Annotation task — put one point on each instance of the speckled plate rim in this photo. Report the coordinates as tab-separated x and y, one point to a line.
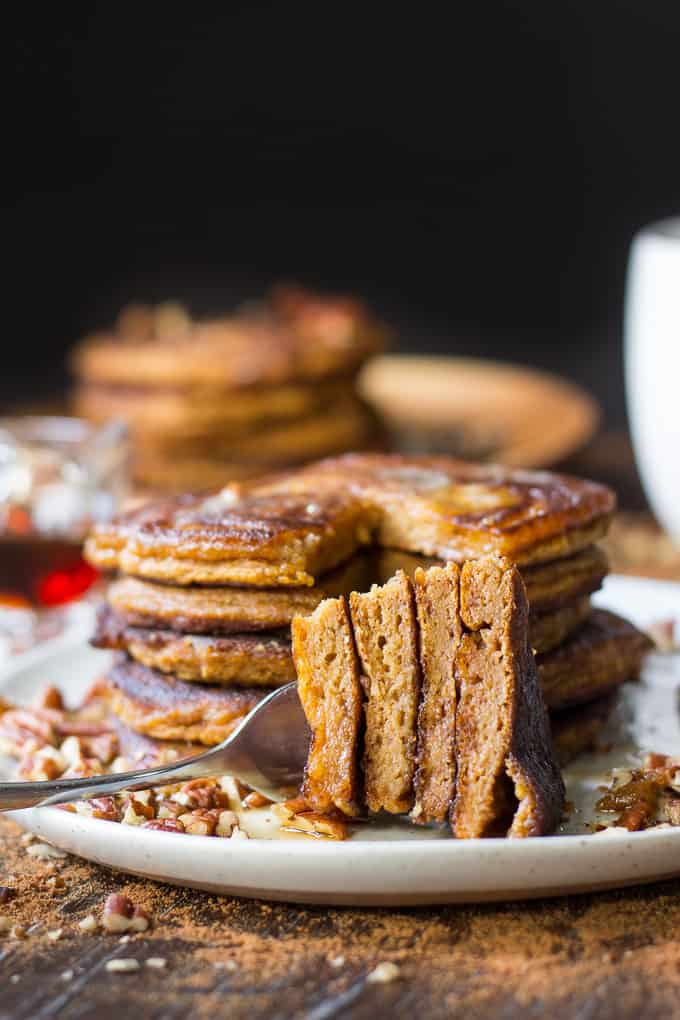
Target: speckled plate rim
402	866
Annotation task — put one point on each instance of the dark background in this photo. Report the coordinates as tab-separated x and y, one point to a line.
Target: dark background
476	173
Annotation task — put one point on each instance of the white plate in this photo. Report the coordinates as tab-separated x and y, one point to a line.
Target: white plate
396	863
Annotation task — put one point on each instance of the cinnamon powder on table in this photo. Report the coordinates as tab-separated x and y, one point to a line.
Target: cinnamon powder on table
615	954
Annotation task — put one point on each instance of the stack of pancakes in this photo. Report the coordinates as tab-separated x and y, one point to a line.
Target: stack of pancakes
211	401
207	587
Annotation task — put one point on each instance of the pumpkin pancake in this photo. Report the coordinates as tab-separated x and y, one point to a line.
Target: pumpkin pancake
340	426
262	659
331	695
176	417
437	592
603	653
549	630
164	708
226	610
455	510
274	540
289	530
191	650
471	741
385	630
507	778
295	336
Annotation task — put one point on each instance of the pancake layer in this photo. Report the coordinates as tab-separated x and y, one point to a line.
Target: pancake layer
296	335
240	659
166	708
603	653
229	656
288	531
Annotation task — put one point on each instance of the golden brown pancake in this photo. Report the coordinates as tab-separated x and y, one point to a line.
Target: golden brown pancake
216	651
300	336
262	659
507	778
287	531
340	426
549	630
165	708
177	418
226	610
603	653
331	695
549	586
263	541
452	509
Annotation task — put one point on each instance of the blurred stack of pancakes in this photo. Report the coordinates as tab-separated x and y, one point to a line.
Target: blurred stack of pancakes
210	401
206	588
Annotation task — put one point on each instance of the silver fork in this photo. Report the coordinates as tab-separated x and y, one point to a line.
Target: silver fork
267	751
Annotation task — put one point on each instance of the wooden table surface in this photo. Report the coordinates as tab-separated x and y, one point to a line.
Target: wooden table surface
610	955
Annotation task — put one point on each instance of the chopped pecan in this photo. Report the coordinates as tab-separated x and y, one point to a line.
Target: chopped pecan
201	793
103	747
50	697
201	822
309	822
105	808
136	811
118	913
164	825
168	809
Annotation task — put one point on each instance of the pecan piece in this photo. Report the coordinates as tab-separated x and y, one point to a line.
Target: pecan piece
201	822
164	825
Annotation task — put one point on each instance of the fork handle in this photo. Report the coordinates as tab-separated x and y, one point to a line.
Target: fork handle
14	796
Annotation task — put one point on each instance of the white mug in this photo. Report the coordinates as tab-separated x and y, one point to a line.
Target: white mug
652	363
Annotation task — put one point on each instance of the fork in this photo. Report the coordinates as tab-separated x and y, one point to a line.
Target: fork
267	751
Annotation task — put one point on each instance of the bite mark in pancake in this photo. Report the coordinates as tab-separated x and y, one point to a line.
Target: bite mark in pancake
507	779
455	510
331	695
290	529
269	540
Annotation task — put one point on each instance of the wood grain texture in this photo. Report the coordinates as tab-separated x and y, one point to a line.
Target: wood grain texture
613	955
